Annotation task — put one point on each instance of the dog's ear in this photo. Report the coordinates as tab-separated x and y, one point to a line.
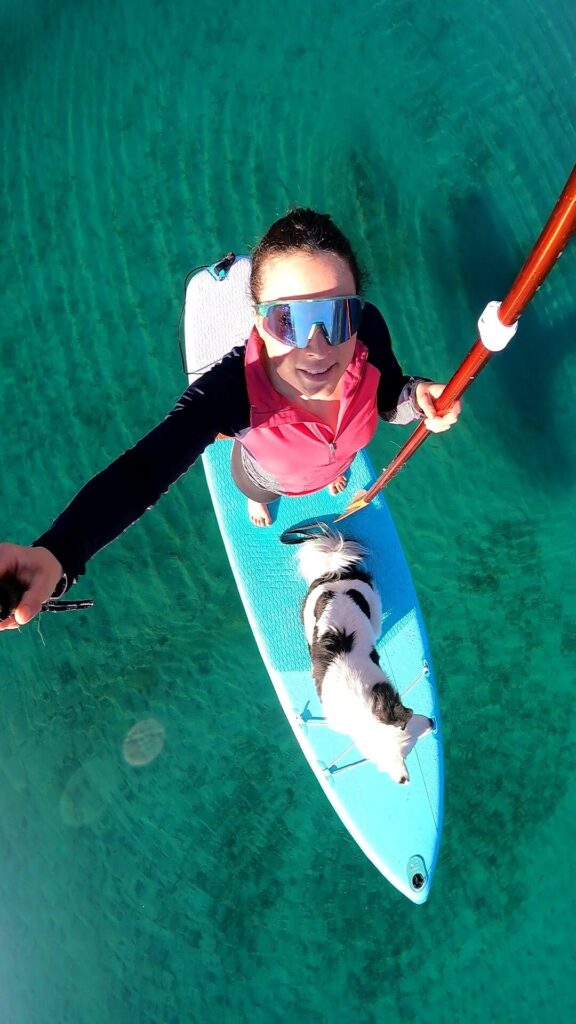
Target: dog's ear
402	715
387	706
384	698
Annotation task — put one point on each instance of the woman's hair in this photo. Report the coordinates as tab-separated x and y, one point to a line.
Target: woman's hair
301	230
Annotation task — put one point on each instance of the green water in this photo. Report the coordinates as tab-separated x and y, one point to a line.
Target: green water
215	884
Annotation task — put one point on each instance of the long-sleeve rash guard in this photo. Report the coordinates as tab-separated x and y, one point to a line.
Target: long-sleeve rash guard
216	403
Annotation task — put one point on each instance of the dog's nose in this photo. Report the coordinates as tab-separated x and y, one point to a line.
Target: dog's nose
403	780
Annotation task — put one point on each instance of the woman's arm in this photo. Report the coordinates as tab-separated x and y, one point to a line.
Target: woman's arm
116	497
401	399
396	392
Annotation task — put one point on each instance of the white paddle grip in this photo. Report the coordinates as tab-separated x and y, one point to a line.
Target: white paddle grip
495	335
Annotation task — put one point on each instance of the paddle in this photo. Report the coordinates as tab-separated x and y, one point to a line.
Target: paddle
497	326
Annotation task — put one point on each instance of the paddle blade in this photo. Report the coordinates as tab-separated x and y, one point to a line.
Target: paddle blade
360	501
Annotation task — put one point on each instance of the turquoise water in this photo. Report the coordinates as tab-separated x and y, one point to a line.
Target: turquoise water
214	883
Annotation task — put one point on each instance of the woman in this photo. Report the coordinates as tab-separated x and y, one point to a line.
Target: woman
301	398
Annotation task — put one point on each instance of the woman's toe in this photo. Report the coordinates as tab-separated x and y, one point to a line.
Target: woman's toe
258	513
338	485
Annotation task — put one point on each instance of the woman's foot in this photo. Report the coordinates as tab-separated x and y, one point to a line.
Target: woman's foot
338	485
258	513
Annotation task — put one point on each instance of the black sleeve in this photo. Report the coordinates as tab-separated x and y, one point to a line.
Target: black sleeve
375	335
116	497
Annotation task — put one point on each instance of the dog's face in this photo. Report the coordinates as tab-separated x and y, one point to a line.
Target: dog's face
388	708
392	746
398	771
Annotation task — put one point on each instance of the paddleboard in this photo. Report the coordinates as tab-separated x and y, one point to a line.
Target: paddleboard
398	827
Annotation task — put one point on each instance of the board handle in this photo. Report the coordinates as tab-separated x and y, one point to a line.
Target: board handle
304	531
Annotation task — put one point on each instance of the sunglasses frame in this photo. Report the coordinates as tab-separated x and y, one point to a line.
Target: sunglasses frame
262	309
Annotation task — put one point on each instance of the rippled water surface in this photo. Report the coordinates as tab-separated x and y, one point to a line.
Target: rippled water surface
166	856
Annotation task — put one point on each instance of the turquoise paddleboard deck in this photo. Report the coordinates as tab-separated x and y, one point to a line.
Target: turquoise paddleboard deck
398	827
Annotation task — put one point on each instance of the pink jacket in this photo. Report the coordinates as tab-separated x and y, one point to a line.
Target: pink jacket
301	452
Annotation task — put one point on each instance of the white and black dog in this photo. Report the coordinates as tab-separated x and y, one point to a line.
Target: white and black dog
342	615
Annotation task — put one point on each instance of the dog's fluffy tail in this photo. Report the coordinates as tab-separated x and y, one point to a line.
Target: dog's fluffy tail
328	555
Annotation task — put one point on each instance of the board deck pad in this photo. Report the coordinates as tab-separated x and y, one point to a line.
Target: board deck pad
398	827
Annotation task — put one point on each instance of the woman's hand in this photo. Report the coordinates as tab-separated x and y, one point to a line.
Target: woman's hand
425	395
39	572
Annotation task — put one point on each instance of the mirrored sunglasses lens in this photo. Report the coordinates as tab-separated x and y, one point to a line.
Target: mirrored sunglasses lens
332	316
278	323
345	320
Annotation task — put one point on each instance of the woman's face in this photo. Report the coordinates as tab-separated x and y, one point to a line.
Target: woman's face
314	371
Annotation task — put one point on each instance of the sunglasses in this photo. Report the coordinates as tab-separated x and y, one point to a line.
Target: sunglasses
293	322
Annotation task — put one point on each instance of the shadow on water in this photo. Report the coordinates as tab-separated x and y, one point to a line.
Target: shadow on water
502	768
500	789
